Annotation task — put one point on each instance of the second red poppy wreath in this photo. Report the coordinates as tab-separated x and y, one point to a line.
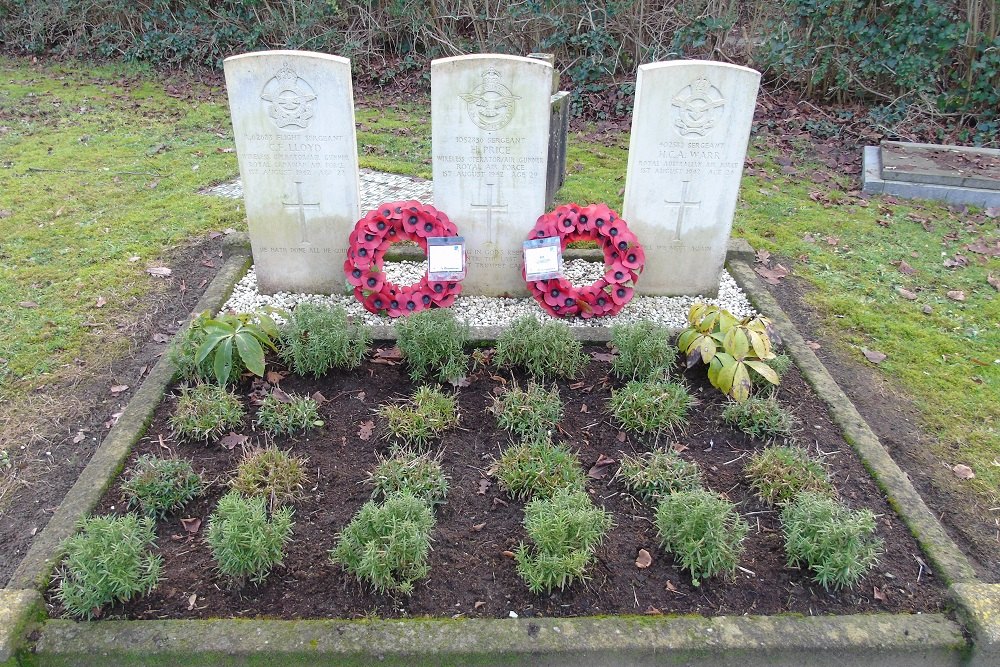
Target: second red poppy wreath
372	236
623	257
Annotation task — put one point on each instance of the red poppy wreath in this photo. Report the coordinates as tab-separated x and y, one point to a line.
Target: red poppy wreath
623	257
372	236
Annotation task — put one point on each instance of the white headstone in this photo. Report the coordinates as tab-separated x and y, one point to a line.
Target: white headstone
490	137
293	121
690	127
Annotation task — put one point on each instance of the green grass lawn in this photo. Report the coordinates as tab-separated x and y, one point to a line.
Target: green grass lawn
99	166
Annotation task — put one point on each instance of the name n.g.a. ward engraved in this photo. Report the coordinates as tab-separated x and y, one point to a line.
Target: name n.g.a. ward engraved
290	100
491	104
698	108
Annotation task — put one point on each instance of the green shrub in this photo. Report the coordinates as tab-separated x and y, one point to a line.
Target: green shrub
272	474
543	350
777	474
160	486
659	473
644	351
760	417
220	349
206	412
565	529
424	418
246	543
387	544
530	413
285	414
781	364
651	407
730	347
703	531
107	560
432	342
837	544
318	338
538	468
419	475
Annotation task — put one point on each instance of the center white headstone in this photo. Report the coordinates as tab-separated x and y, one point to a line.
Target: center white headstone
293	121
490	137
690	127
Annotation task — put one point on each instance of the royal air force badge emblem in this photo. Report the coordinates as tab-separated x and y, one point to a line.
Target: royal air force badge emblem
698	108
490	104
290	100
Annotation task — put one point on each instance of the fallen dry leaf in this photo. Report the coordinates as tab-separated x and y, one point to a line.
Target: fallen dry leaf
360	396
28	304
906	294
963	471
118	388
873	356
763	257
905	268
993	212
507	554
113	419
191	601
319	398
484	484
233	440
460	382
652	611
603	356
993	280
479	604
670	586
281	396
621	436
956	262
771	276
161	338
101	302
79	437
478	527
191	524
274	377
365	429
390	353
956	295
584	408
643	560
813	345
600	469
879	595
160	271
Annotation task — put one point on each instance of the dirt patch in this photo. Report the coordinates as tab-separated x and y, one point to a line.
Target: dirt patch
468	565
70	418
896	421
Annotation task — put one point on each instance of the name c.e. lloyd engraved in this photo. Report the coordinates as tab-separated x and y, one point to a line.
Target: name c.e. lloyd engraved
491	104
290	100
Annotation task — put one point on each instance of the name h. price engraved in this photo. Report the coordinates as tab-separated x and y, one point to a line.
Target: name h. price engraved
301	207
682	205
489	207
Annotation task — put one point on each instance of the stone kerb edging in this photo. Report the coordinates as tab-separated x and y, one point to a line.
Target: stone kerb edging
882	639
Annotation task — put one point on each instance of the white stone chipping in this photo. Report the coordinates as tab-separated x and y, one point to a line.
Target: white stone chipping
669	311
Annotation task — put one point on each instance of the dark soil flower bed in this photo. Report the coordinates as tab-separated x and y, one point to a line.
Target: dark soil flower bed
472	573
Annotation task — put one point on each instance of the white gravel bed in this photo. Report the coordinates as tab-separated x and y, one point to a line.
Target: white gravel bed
670	311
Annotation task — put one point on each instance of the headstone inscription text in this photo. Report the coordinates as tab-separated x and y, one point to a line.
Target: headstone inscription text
684	170
293	122
490	134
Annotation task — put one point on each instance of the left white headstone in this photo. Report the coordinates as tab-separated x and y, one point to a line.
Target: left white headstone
293	121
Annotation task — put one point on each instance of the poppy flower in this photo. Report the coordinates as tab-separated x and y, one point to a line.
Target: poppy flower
373	281
355	274
378	224
618	273
621	294
447	301
376	302
545	230
633	258
411	221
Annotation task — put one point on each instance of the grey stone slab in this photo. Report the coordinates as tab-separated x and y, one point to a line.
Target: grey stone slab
887	640
19	608
959	166
979	609
875	184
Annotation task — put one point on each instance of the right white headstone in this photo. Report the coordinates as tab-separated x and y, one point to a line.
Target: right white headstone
490	136
690	127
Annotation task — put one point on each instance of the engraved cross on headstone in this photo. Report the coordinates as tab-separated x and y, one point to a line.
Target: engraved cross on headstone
489	207
301	207
681	206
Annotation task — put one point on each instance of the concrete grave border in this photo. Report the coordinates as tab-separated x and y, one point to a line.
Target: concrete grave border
973	638
874	183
